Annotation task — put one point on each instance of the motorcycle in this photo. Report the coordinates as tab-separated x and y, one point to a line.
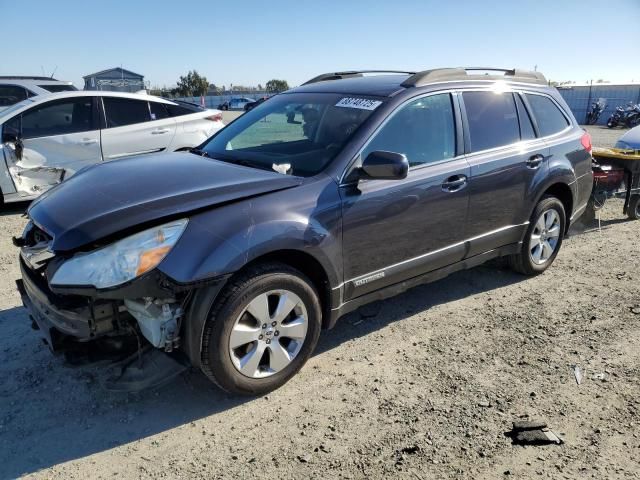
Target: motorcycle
628	117
596	109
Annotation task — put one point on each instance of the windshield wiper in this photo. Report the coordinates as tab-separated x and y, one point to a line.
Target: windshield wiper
245	163
199	151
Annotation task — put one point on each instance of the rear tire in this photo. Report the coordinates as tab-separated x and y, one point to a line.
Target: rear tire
543	238
634	208
239	363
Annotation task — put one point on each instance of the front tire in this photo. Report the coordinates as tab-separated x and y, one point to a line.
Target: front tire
543	239
262	330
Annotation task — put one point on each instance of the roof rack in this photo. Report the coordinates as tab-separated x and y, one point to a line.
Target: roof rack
24	77
350	74
445	74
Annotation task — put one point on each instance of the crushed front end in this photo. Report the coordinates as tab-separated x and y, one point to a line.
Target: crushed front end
140	315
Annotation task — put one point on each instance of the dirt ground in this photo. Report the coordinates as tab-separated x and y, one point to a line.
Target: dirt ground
420	386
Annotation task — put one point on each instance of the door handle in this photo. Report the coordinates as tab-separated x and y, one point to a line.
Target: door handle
159	131
534	161
454	183
88	141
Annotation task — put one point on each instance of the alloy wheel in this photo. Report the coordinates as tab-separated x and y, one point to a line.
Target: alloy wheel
268	334
544	237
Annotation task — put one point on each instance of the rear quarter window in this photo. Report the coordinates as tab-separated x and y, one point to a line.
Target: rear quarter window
548	116
58	88
179	110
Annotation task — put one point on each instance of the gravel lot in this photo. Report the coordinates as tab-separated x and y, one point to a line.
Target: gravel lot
420	386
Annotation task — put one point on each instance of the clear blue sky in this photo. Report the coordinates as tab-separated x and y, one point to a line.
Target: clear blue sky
249	43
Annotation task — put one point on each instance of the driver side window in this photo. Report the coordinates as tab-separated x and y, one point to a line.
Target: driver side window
423	130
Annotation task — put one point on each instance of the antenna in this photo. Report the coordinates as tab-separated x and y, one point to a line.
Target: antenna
54	71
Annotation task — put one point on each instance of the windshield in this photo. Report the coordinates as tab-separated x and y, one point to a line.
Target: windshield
297	133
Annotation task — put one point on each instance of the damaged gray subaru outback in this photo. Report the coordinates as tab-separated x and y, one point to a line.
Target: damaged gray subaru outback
349	189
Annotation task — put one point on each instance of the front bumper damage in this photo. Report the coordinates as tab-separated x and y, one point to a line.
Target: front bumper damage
148	339
67	320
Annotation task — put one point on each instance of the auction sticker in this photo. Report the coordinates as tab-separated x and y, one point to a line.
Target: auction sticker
361	103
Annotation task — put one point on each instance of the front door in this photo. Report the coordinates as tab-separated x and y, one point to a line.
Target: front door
58	138
398	229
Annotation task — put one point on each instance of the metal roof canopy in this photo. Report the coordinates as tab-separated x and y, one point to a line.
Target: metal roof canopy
123	70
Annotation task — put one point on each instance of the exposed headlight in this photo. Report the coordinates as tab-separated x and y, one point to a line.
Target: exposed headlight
121	261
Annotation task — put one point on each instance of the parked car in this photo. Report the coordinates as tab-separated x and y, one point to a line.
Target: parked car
630	140
18	88
48	138
235	103
254	104
235	256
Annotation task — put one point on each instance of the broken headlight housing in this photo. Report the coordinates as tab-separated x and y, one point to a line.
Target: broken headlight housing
121	261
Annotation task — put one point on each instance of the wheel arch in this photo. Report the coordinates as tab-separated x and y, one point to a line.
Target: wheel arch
562	191
204	298
309	266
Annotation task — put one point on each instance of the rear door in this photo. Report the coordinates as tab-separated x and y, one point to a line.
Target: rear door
507	160
397	229
132	128
58	137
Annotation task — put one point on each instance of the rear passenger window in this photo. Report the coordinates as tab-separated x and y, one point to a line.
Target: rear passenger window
423	130
124	111
158	111
548	116
526	127
492	118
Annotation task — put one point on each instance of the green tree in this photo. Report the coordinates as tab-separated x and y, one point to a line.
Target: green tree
192	84
276	86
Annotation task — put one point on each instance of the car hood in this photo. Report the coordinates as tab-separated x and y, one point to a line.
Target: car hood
631	138
112	197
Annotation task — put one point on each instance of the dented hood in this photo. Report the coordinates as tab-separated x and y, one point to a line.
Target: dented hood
111	197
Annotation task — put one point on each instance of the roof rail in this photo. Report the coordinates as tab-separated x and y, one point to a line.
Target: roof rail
24	77
444	74
349	74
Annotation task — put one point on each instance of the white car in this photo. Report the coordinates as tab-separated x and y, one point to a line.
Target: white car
16	89
48	138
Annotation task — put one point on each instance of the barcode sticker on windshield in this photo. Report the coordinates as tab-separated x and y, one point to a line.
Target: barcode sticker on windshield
361	103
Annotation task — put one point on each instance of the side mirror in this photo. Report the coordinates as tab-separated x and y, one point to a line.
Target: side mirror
385	166
11	137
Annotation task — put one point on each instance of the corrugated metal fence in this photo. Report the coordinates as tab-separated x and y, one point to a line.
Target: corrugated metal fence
581	97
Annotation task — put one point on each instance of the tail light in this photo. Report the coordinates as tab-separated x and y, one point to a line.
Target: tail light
585	140
215	118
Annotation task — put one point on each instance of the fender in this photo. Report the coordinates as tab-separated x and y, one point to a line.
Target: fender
223	240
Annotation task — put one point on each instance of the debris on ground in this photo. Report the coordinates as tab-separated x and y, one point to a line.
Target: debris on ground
577	372
533	433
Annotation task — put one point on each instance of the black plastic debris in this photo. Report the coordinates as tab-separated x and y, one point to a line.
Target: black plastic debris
532	433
